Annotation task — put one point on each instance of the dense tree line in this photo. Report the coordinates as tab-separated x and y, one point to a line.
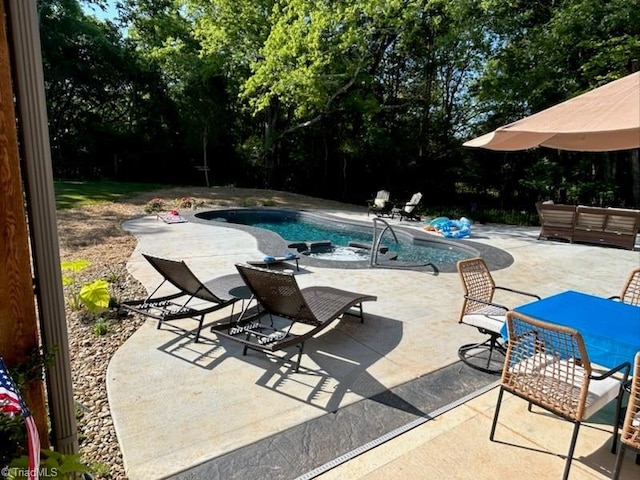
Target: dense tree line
334	98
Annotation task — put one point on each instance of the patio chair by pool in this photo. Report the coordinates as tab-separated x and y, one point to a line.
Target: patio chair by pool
279	296
547	365
480	311
381	205
630	436
408	211
193	299
631	290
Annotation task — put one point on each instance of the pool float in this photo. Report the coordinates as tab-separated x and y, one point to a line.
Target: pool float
456	228
436	224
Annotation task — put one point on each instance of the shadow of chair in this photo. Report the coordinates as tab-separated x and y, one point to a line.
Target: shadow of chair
193	298
548	366
381	205
287	306
630	436
480	311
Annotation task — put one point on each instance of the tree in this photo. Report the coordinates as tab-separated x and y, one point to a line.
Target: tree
103	102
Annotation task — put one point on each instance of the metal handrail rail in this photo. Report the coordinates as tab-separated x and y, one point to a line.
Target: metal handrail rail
375	246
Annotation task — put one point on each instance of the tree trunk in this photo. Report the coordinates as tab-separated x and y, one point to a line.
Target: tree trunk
635	177
205	164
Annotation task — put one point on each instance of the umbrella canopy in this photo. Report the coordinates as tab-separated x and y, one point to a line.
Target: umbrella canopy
601	120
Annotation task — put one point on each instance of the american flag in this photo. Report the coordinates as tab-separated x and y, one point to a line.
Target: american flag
12	404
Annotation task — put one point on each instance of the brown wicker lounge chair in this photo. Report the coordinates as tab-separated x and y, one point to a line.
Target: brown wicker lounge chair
180	305
548	366
278	295
630	436
480	311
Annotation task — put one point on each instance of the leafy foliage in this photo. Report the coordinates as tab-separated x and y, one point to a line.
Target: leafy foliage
333	98
57	465
94	296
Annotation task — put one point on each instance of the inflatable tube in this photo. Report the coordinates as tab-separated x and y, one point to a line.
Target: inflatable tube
456	228
436	223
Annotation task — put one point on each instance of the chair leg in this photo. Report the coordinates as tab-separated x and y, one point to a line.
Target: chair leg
572	448
495	415
618	464
199	328
617	419
490	344
300	349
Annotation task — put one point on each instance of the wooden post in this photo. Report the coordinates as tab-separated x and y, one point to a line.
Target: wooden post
18	322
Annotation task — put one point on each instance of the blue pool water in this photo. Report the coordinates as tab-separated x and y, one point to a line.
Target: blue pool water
297	227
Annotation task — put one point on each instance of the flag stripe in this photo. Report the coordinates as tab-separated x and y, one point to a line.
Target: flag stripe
11	404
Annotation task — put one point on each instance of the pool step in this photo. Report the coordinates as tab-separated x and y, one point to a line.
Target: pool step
367	246
311	245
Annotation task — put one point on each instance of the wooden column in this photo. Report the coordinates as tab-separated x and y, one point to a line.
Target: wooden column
18	322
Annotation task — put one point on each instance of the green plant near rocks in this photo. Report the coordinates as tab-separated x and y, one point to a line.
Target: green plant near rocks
99	469
94	296
101	327
53	465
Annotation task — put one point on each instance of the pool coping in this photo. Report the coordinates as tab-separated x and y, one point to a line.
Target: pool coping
269	242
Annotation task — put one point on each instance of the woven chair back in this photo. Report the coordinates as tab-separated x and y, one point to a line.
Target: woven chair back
180	276
631	291
477	282
548	365
631	427
278	293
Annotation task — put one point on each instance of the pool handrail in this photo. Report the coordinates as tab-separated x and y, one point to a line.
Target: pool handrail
373	256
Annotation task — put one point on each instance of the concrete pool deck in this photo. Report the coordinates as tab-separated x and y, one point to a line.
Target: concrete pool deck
178	405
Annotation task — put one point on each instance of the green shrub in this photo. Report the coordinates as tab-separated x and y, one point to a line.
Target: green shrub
101	327
93	296
155	205
56	465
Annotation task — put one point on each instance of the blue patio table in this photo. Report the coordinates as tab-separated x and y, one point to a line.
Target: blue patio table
610	329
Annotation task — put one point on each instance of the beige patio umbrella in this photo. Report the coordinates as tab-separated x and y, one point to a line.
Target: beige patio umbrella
601	120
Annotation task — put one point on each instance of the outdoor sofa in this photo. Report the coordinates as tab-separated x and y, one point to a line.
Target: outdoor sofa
603	226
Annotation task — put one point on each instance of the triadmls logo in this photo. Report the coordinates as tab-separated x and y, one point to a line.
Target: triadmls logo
15	472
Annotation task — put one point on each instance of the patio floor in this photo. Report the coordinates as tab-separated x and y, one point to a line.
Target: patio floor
217	414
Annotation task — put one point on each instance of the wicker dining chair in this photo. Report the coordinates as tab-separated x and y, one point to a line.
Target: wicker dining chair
630	436
630	292
480	311
548	366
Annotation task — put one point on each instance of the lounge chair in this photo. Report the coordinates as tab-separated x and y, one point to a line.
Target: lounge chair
408	211
480	311
381	205
278	295
180	304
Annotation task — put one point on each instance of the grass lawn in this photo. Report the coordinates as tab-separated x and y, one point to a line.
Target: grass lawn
77	194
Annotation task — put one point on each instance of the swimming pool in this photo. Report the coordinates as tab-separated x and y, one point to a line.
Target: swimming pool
300	228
